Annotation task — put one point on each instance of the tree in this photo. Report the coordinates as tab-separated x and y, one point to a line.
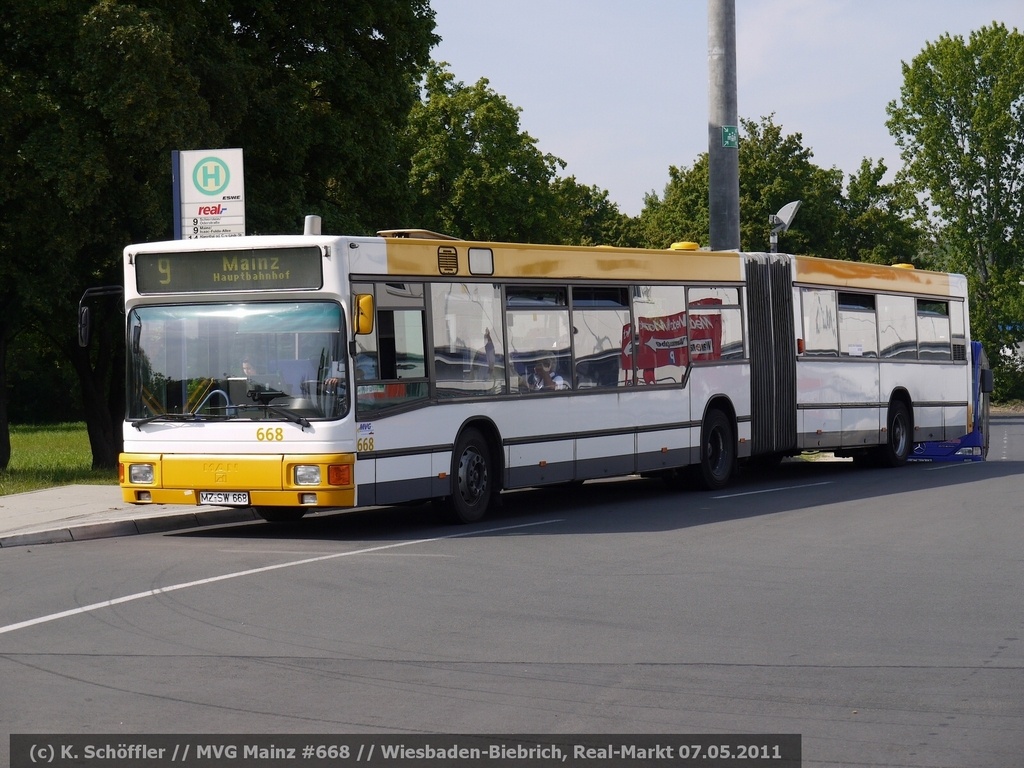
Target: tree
959	123
774	169
94	96
474	173
683	214
869	223
880	219
333	83
585	216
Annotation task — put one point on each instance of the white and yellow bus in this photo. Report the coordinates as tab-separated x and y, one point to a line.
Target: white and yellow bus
412	366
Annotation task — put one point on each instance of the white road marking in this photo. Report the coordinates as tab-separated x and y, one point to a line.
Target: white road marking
771	490
939	466
249	572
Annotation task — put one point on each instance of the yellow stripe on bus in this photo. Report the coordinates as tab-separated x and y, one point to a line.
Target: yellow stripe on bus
420	258
870	276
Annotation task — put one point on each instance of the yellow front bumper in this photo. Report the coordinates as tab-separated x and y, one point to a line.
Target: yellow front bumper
269	480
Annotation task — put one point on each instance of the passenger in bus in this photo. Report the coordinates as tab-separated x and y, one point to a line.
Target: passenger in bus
248	369
546	376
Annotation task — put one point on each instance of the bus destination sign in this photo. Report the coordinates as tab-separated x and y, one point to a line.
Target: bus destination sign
229	270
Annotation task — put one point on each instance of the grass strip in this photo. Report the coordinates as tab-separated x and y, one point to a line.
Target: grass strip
50	455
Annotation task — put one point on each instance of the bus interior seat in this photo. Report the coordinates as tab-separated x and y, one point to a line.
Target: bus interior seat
294	373
237	387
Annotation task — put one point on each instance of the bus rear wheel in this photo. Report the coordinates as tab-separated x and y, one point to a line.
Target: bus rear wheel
898	436
281	514
472	478
717	451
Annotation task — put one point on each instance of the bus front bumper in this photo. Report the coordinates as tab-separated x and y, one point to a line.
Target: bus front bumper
279	480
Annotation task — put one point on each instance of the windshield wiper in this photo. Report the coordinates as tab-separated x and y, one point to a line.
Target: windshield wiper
276	410
264	398
190	416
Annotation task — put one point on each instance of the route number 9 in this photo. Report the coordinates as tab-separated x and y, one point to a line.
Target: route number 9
164	267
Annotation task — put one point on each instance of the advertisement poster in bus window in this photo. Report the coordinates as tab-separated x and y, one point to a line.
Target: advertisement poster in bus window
661	342
705	331
674	340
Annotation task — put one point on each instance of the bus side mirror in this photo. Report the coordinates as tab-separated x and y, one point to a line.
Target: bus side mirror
364	314
83	326
84	323
988	381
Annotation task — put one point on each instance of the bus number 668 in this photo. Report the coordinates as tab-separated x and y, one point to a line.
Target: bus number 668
270	435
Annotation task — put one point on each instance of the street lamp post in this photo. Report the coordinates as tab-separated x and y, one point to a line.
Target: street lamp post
780	222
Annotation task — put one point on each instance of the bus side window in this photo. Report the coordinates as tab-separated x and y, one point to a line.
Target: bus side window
539	338
390	363
660	338
598	319
599	348
858	332
897	330
933	330
821	328
400	345
468	336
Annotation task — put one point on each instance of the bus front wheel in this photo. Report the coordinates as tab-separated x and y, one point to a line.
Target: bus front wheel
472	478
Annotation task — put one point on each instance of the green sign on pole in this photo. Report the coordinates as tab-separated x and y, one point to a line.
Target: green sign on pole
730	136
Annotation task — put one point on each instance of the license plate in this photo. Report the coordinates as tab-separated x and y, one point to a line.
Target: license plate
229	498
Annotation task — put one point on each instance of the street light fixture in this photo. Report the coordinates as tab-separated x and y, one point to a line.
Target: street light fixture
780	222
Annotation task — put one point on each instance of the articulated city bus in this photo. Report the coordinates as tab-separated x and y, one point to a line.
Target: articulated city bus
297	373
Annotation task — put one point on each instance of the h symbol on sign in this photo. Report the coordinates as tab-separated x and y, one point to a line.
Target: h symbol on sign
211	175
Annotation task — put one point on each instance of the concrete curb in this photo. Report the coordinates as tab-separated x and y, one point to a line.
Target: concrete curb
128	527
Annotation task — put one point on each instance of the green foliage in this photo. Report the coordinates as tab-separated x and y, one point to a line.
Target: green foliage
43	383
775	169
94	96
585	216
48	456
331	90
1009	379
870	223
340	113
474	173
880	220
683	214
959	123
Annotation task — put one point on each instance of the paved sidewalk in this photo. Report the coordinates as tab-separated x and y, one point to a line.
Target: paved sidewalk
79	512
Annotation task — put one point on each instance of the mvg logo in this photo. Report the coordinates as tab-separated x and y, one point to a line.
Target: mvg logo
216	751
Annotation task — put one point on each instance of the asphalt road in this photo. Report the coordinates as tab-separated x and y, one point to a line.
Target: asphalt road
876	612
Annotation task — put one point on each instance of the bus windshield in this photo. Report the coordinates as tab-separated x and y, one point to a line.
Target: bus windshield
266	360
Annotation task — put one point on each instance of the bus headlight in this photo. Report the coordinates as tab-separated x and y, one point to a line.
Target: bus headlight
141	473
969	451
307	474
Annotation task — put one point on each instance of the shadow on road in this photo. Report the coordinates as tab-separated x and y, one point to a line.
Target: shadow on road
637	504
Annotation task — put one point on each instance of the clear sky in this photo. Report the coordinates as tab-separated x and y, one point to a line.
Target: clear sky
619	88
